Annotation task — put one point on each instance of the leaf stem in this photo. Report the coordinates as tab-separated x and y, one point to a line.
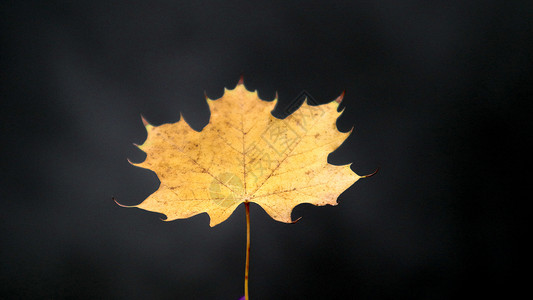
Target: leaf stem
247	206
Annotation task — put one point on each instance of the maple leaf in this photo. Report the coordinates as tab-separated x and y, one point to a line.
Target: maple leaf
245	154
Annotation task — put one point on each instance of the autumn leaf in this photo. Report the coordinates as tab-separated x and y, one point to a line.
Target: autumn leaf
245	154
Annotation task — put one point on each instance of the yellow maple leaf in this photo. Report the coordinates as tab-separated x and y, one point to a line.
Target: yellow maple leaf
245	154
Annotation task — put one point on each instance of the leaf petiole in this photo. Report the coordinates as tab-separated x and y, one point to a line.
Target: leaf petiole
247	206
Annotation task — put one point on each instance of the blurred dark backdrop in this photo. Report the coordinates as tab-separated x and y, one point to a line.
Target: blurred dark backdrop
435	91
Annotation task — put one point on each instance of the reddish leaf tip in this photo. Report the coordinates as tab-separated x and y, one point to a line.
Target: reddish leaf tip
296	221
122	205
371	174
145	122
339	99
118	203
132	163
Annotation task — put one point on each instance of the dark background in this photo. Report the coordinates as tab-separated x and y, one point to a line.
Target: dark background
435	90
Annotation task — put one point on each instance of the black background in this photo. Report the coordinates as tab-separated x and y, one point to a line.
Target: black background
435	90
